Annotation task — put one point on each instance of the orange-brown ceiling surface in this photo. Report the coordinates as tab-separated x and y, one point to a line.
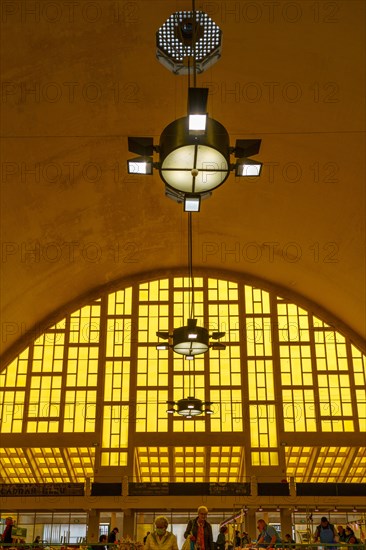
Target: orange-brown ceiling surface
79	77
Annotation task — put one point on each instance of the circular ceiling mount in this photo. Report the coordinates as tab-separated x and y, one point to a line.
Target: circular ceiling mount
185	35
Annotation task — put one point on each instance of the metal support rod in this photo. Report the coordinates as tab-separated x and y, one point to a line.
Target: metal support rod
190	265
194	43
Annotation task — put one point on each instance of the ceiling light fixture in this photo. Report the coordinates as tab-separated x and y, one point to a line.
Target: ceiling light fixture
189	407
191	339
186	35
194	151
194	161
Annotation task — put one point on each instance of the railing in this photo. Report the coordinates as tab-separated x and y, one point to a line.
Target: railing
123	545
133	545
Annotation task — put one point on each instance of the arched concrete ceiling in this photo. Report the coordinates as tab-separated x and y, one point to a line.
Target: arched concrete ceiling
291	73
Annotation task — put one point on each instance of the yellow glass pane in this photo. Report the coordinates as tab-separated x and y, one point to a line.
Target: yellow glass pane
256	459
248	299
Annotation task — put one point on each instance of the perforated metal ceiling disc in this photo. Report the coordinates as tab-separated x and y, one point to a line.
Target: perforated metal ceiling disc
185	36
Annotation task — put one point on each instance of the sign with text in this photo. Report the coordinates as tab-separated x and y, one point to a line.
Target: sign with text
41	489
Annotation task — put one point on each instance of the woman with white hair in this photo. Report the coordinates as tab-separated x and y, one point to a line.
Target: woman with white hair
200	531
161	538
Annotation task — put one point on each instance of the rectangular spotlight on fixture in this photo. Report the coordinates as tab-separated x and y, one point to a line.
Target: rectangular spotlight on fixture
197	123
163	334
140	165
217	346
141	146
192	203
197	110
247	147
248	167
217	335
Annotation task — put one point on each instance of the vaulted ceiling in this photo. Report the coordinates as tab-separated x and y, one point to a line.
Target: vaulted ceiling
78	78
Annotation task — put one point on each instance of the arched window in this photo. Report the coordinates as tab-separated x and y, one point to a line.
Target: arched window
90	392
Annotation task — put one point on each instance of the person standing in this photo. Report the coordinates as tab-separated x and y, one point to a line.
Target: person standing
112	537
268	536
161	538
341	533
37	541
289	540
325	533
7	537
221	538
351	538
200	531
102	540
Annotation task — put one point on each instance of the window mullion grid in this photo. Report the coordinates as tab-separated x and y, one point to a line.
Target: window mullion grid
64	374
28	388
315	374
244	380
277	388
103	329
133	385
206	355
353	387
